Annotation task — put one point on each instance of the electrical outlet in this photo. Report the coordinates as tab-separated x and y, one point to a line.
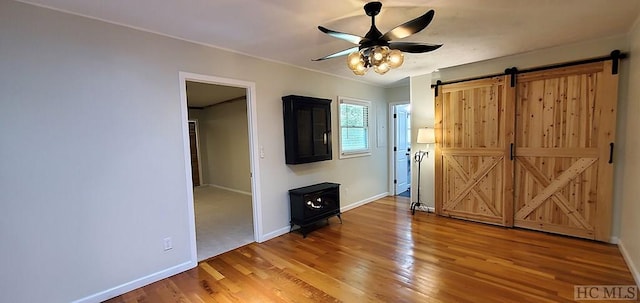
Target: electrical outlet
167	244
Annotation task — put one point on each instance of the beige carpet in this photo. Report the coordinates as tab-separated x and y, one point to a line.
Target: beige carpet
224	220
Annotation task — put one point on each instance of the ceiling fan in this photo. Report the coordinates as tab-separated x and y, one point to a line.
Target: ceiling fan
377	49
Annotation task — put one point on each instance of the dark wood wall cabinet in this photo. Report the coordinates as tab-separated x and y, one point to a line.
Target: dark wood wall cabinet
311	204
307	129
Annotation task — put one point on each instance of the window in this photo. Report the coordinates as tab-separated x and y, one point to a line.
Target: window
354	127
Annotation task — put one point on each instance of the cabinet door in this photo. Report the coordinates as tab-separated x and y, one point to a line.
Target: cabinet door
320	132
307	128
313	121
565	125
474	133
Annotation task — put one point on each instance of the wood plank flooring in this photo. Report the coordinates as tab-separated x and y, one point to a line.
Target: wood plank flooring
383	254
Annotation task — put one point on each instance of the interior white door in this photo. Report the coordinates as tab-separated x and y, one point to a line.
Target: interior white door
401	149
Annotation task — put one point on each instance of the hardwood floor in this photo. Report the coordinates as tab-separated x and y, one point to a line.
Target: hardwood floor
383	254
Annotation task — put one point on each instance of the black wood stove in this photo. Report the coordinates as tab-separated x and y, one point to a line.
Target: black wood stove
311	204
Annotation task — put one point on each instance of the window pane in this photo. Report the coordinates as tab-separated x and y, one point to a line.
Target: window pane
354	139
354	127
354	115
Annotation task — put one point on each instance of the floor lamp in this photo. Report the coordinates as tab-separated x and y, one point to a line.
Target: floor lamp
425	136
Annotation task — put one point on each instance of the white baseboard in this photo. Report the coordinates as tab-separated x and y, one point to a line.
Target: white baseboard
274	234
129	286
363	202
286	229
614	240
630	264
230	189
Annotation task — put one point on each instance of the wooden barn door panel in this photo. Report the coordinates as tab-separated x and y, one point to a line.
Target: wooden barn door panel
474	131
565	123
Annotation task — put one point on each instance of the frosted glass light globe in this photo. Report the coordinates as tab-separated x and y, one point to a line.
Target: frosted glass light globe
353	60
360	69
378	55
382	68
395	58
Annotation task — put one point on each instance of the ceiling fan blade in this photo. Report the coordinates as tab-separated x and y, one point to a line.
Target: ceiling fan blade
344	36
411	47
409	28
339	54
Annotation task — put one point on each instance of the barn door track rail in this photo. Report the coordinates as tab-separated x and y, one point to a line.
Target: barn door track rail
615	56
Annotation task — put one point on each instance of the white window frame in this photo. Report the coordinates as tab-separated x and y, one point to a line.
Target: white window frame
355	153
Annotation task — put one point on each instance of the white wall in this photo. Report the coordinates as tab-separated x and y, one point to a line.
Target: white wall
226	141
629	160
92	161
398	93
422	115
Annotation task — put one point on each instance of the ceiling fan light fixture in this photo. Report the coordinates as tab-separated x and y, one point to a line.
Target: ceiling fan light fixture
378	55
395	58
354	59
381	58
357	63
360	69
382	68
376	49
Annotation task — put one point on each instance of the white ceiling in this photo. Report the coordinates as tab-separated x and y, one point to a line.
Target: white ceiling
286	30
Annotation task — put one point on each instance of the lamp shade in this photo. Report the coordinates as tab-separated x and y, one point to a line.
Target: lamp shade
426	135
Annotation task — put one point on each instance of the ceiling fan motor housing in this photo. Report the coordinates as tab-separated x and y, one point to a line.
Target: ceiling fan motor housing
372	8
376	49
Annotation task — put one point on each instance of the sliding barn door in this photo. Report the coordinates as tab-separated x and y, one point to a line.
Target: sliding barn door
474	133
565	126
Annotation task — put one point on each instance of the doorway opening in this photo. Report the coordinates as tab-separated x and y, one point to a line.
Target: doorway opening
219	119
401	150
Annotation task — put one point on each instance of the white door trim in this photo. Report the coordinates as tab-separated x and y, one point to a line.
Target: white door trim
254	153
